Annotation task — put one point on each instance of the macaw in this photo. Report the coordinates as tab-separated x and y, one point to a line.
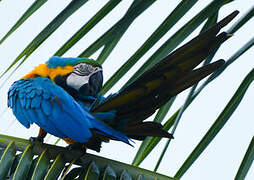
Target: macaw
62	95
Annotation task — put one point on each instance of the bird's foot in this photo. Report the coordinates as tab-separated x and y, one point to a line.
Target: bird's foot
36	139
77	146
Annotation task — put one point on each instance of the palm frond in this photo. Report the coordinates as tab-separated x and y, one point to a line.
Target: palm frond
49	162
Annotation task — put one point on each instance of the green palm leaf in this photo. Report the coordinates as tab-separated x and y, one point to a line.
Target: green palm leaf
18	159
165	26
142	154
32	9
87	27
47	31
113	35
247	161
218	124
179	36
91	166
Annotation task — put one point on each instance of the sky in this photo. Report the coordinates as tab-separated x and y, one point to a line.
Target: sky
222	157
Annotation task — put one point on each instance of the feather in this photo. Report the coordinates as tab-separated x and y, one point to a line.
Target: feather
120	116
23	101
147	129
46	107
169	69
55	111
103	129
28	103
36	101
156	86
20	115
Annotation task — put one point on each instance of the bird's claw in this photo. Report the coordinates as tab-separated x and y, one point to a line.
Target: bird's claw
76	146
36	139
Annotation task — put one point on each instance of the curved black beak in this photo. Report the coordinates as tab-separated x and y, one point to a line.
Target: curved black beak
94	85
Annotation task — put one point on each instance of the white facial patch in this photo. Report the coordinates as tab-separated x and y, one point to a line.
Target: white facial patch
81	75
75	81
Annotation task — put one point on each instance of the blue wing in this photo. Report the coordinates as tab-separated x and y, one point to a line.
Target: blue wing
40	101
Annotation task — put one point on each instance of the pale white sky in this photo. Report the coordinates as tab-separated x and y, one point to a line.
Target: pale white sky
222	157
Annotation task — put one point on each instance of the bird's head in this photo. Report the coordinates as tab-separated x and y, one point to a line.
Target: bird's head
78	76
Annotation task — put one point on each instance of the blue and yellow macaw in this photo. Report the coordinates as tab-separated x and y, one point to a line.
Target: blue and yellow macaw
62	95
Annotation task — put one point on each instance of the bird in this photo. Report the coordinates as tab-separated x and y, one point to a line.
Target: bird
63	97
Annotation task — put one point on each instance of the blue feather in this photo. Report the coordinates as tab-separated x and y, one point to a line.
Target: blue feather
32	115
14	98
20	115
43	123
11	91
105	116
28	103
23	101
22	94
9	103
63	119
56	61
39	91
55	111
26	90
46	107
35	103
24	113
46	95
31	94
106	130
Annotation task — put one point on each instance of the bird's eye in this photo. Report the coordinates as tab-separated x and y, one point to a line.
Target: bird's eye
82	67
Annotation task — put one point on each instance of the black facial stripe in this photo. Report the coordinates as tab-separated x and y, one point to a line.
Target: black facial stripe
61	81
84	69
80	73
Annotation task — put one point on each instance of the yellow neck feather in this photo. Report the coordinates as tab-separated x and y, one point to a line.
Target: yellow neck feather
43	71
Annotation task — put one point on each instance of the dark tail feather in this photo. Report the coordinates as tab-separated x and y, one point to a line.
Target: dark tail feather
156	86
201	43
167	90
195	76
171	68
141	130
